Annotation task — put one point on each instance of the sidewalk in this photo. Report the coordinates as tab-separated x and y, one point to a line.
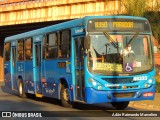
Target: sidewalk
148	104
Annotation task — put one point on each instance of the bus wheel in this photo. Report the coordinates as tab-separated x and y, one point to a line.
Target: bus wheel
21	90
120	105
64	94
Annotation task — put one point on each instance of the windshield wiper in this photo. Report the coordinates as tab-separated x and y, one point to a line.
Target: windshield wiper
134	36
111	40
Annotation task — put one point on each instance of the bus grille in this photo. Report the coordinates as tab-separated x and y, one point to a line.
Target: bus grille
127	87
124	95
119	80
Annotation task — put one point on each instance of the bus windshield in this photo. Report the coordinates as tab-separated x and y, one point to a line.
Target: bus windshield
119	53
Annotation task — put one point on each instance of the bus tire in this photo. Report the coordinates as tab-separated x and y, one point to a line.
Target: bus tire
65	97
21	90
120	105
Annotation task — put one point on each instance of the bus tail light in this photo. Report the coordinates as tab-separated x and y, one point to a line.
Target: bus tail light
43	80
148	94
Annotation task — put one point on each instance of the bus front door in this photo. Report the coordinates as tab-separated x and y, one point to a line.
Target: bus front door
13	69
37	69
79	67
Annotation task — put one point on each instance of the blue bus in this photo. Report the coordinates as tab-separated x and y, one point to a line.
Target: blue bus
95	59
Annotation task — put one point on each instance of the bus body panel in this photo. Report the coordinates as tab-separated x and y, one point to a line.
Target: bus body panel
94	96
29	82
52	75
20	70
7	75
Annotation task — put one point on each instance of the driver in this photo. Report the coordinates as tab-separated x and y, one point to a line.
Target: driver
128	50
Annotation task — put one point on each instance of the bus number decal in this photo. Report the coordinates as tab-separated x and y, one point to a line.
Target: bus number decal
20	68
140	78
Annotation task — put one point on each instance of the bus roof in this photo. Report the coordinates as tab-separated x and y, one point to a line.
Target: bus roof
64	25
72	23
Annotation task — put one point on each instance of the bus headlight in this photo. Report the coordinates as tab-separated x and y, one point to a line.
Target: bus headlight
95	84
148	83
99	87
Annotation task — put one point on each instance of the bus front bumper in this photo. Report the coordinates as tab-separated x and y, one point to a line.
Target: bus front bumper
94	96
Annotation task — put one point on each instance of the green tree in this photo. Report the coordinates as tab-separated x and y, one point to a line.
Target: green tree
135	7
145	8
153	15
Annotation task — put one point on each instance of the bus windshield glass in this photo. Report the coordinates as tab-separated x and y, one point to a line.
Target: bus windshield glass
119	53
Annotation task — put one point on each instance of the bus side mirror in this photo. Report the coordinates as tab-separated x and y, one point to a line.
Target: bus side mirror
87	43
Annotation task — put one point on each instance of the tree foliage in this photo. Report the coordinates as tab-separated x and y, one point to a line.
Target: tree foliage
154	19
145	8
135	7
153	15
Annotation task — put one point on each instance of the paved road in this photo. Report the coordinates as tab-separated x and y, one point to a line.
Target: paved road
11	102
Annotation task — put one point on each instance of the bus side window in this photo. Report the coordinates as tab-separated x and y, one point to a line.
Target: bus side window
50	47
20	50
28	49
64	44
7	48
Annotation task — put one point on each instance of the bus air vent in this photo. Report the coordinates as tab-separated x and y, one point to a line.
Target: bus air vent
127	87
119	80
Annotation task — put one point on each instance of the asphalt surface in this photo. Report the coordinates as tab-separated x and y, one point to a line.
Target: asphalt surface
48	107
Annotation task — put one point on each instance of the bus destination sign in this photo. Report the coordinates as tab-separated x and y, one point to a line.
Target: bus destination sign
123	24
98	25
114	24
